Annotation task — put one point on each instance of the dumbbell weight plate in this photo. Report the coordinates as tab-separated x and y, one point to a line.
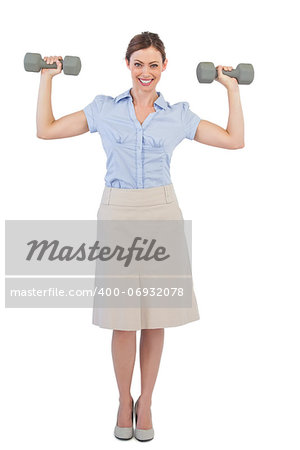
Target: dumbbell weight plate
246	73
71	65
206	72
32	62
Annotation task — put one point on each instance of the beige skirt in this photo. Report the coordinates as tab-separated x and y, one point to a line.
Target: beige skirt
134	293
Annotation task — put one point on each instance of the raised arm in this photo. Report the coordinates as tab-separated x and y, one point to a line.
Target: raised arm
47	126
233	137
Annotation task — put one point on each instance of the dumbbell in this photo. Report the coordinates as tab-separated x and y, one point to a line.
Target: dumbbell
207	73
33	62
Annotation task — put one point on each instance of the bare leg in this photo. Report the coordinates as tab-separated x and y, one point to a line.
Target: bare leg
151	346
123	348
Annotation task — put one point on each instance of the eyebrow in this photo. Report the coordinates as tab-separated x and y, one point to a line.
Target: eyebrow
142	61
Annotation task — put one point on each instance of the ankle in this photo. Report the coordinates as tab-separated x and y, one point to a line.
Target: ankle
145	400
126	400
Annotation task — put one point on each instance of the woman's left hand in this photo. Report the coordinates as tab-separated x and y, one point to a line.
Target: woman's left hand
228	82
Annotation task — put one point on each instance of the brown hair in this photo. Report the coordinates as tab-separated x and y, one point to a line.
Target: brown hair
145	40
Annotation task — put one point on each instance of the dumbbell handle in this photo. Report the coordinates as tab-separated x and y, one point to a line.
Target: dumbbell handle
231	73
44	65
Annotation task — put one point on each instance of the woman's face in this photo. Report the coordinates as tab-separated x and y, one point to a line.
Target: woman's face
146	64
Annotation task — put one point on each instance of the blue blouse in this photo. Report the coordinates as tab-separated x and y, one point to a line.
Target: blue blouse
139	155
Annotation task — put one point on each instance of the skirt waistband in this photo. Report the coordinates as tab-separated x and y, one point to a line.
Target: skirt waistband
157	195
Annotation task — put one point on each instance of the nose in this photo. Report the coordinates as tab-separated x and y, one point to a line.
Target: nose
146	73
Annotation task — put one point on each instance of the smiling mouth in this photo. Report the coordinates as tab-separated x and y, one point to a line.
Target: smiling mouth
145	82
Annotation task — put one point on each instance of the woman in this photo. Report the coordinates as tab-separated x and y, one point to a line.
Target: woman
139	131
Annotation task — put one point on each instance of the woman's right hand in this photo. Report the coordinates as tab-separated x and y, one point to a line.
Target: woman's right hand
51	60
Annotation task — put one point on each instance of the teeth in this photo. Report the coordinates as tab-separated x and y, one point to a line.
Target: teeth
145	81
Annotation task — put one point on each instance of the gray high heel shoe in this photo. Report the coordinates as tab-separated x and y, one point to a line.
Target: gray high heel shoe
139	433
124	433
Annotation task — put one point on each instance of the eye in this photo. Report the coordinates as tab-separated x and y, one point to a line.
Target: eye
152	65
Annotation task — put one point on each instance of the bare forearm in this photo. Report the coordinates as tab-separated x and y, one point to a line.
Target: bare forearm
44	115
235	125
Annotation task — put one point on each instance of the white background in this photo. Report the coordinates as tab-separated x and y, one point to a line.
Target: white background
230	380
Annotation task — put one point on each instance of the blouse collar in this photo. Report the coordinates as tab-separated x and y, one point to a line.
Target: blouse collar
160	101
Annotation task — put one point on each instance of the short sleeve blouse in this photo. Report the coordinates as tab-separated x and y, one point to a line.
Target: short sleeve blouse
139	155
